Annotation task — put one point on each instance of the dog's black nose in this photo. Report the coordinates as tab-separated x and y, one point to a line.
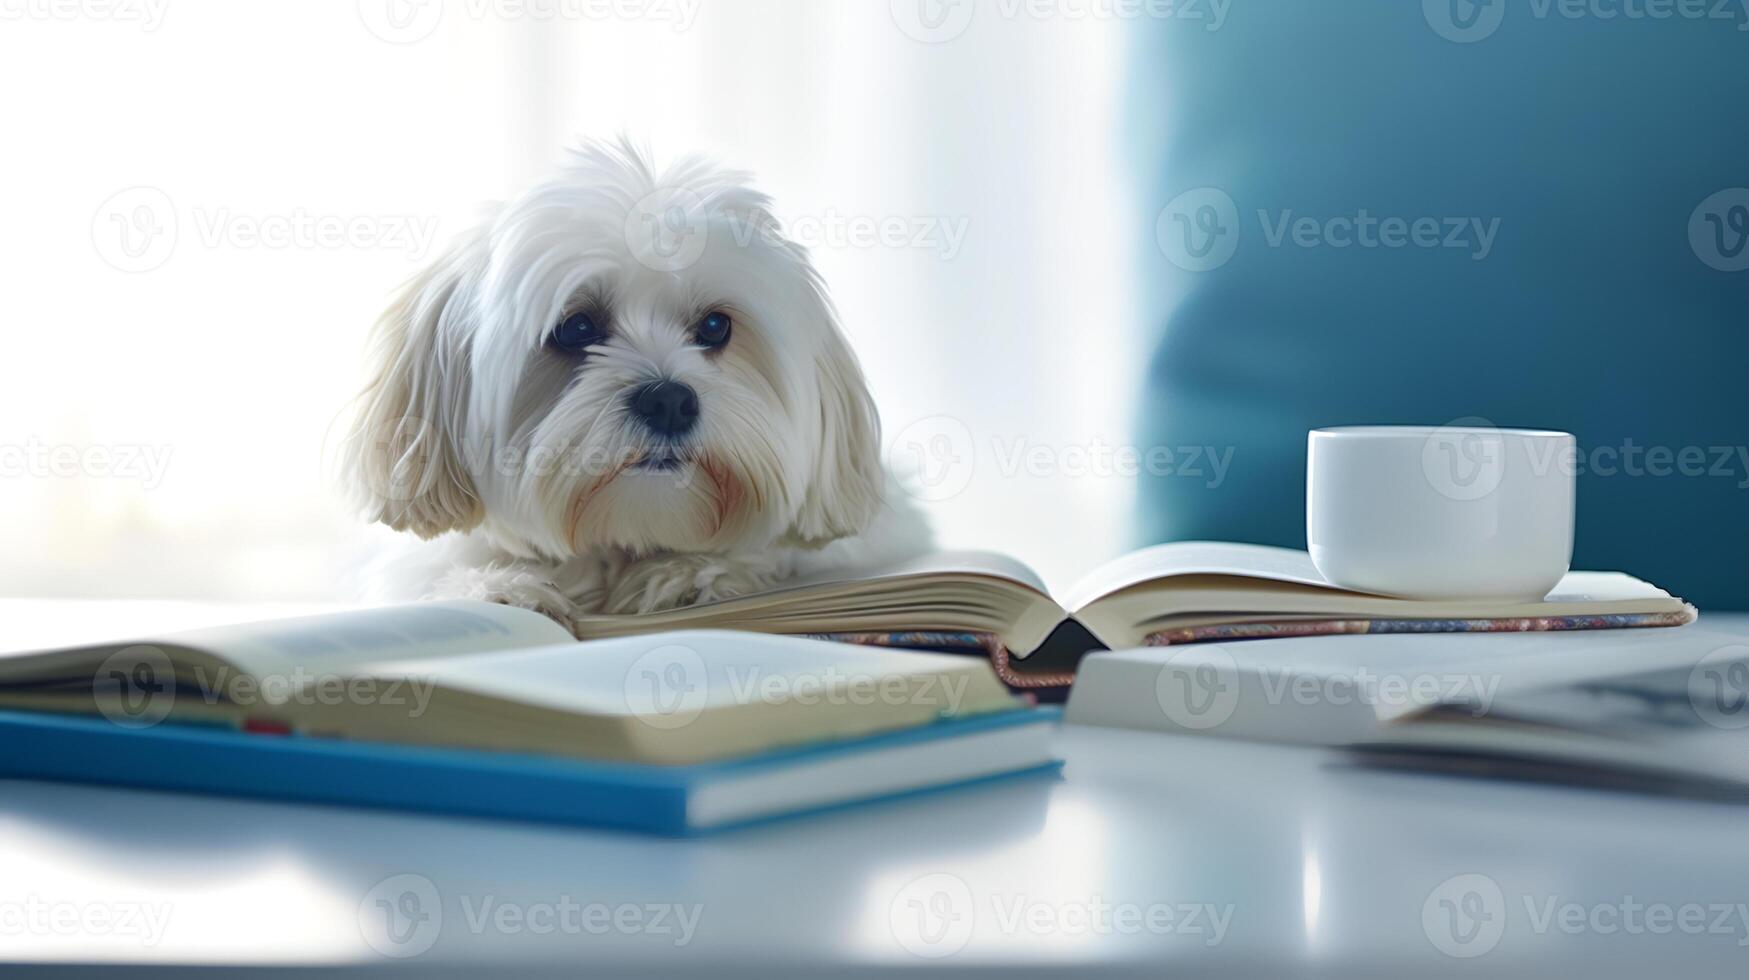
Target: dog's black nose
668	408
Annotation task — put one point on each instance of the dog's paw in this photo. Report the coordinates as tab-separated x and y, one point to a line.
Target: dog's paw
684	580
509	585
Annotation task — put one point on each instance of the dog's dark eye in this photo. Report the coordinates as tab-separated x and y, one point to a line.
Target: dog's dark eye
576	332
713	329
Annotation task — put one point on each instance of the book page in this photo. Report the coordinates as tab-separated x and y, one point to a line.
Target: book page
958	591
698	695
1256	561
1195	558
701	670
338	641
987	563
327	642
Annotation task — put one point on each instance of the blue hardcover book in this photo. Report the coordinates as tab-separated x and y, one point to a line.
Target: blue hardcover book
674	800
474	708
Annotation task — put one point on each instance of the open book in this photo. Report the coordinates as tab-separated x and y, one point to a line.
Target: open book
1666	711
471	707
1171	593
477	675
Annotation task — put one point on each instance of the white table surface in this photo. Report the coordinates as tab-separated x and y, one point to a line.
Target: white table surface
1153	855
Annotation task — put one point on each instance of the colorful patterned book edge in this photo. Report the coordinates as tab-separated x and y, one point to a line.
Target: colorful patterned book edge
1002	660
1332	627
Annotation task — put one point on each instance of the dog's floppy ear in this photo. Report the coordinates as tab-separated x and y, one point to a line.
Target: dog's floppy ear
844	491
401	459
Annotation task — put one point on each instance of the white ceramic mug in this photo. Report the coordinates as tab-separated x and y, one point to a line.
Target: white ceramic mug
1441	512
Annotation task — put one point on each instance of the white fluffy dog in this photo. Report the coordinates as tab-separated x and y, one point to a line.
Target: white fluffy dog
626	391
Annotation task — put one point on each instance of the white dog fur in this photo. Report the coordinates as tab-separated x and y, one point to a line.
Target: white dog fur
525	459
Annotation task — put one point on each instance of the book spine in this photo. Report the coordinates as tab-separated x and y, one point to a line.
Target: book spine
227	762
956	642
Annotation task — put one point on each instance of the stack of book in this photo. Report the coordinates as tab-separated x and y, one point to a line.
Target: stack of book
475	708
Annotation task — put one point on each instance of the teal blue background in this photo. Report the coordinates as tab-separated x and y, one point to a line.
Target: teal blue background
1592	141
